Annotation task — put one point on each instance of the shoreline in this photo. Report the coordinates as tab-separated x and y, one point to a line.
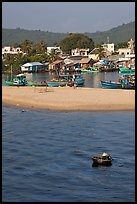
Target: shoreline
69	99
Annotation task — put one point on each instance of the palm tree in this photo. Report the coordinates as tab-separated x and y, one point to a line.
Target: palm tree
53	56
101	52
41	47
26	47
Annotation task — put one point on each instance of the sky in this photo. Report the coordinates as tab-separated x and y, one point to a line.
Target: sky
65	17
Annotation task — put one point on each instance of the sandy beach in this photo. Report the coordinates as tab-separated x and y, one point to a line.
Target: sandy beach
68	98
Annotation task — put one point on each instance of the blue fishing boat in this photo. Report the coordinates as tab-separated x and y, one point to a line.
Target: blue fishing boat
123	70
111	85
79	79
56	82
75	78
19	80
125	82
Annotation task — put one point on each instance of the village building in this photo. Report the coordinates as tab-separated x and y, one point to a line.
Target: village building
57	49
32	67
124	51
73	62
10	50
85	62
94	54
109	47
79	52
56	65
131	45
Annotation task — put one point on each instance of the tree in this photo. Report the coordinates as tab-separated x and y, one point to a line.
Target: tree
120	45
75	40
27	47
53	56
41	47
39	58
101	52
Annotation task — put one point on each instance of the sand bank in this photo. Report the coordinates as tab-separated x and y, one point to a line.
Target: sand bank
68	98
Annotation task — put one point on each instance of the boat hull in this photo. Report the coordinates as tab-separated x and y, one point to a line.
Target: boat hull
29	83
56	83
88	71
100	161
111	85
80	81
126	71
10	83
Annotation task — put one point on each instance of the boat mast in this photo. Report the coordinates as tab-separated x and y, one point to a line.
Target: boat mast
11	72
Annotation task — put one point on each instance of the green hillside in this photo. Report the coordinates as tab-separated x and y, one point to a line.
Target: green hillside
118	34
12	36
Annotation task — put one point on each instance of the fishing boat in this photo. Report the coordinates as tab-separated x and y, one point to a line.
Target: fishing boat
35	83
125	82
111	85
104	159
19	80
79	79
56	82
66	80
90	70
123	70
75	78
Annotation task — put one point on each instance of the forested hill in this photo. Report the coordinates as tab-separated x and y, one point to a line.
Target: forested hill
118	34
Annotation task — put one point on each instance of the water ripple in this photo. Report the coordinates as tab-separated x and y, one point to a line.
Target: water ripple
46	156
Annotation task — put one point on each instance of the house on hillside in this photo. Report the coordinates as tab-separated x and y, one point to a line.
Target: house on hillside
79	52
109	47
56	49
10	50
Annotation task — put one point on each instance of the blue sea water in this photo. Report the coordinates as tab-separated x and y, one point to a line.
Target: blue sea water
46	156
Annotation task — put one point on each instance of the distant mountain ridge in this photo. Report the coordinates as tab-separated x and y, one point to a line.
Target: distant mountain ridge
118	34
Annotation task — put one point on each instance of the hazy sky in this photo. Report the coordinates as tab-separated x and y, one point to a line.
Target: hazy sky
66	17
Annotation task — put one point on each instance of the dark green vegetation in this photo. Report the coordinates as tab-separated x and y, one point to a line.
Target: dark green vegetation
76	40
118	34
35	52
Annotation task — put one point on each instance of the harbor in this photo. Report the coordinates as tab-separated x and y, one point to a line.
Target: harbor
68	102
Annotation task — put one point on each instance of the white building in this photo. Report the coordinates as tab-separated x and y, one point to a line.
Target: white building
124	51
32	67
10	50
79	52
57	49
109	47
94	54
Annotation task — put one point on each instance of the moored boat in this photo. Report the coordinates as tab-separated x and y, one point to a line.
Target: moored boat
56	82
75	78
110	84
35	83
126	70
19	80
90	70
125	82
